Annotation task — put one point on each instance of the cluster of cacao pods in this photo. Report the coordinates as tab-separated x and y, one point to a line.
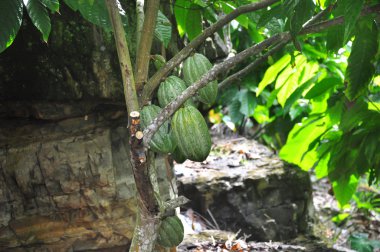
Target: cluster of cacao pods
186	135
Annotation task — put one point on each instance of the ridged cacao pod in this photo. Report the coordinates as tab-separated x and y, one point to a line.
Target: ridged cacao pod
162	140
178	156
170	232
194	68
170	89
191	134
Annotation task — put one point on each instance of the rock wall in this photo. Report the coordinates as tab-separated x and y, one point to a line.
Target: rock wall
248	189
69	187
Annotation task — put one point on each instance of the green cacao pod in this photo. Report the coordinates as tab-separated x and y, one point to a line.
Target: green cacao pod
194	68
158	61
170	232
178	156
191	134
170	89
162	140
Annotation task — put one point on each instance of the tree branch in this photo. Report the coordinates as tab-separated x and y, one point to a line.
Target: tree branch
124	59
139	19
145	45
217	69
186	51
339	20
237	76
208	77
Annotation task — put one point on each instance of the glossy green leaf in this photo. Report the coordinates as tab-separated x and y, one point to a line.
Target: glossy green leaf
193	22
248	102
39	16
344	188
163	29
53	5
360	68
272	72
10	19
352	9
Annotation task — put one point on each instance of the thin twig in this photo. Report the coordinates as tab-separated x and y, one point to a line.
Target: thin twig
186	51
238	75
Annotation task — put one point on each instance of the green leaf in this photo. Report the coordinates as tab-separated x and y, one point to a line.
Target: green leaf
261	114
180	11
360	68
338	219
352	9
299	138
93	11
294	79
323	86
360	242
10	20
272	72
248	102
334	38
39	16
297	94
234	111
53	5
344	188
193	22
163	31
267	16
303	11
289	6
229	7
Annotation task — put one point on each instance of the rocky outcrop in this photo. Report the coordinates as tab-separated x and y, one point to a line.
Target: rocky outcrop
66	184
246	187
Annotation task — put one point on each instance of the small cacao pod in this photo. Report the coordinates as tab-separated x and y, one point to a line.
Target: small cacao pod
170	89
191	134
194	68
171	232
158	61
162	140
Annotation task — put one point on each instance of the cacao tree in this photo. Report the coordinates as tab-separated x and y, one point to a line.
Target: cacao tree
342	114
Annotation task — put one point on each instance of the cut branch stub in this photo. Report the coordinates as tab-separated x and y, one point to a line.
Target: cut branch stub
135	122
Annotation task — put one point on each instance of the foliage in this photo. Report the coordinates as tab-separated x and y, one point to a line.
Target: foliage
361	243
329	95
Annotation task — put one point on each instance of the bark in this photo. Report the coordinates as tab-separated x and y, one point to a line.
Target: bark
145	45
252	66
124	57
140	19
